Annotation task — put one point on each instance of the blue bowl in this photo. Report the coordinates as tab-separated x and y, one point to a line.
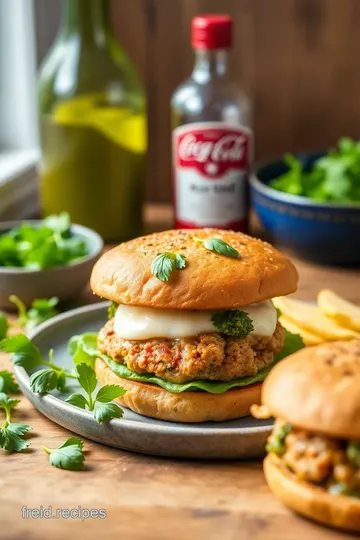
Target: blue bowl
323	232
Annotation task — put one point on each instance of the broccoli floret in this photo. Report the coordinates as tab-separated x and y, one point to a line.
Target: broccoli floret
233	322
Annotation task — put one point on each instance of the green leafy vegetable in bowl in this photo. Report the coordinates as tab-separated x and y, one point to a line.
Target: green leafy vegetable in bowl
36	247
335	177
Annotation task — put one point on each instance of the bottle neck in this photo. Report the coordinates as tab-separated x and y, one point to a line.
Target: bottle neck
210	64
87	19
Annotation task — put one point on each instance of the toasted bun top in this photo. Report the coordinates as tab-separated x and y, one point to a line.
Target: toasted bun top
209	281
317	389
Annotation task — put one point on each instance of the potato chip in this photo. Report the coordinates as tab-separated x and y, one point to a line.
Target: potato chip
343	312
308	337
312	319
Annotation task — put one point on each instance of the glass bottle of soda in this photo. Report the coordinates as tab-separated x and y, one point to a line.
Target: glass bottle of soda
93	126
212	137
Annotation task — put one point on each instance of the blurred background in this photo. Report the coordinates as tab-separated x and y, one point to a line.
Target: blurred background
298	59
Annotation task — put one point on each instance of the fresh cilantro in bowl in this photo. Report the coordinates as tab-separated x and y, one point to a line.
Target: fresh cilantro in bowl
334	177
49	244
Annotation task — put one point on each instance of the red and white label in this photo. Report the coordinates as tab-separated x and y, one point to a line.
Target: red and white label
211	166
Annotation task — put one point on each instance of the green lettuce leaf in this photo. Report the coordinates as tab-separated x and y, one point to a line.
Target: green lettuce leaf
83	349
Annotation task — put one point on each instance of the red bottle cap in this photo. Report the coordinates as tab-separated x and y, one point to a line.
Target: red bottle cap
211	32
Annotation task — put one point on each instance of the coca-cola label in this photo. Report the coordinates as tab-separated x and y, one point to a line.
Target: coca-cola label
211	165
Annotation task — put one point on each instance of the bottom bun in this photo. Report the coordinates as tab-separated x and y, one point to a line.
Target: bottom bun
154	401
311	501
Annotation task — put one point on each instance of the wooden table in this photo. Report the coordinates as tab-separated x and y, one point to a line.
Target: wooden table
148	497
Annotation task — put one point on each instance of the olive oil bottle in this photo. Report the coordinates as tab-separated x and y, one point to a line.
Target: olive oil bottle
93	126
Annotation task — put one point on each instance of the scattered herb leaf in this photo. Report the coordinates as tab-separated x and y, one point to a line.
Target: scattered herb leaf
11	434
28	356
69	455
8	385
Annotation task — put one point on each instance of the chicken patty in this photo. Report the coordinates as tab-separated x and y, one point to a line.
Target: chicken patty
213	356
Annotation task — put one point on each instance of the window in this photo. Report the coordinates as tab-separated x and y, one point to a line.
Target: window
18	117
19	150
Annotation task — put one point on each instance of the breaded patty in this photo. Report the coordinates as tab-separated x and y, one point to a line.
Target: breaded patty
207	356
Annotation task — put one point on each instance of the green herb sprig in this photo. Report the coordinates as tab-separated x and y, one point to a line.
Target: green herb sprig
8	385
69	455
163	265
101	404
28	356
12	434
232	322
218	246
41	310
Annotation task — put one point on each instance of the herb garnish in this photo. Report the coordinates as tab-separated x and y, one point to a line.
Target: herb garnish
11	434
8	385
103	409
69	455
49	244
28	356
41	310
165	263
232	322
219	246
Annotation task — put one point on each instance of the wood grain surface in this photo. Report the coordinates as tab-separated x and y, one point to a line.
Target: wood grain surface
146	497
297	58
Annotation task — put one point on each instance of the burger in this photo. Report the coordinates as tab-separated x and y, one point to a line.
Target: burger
313	461
192	331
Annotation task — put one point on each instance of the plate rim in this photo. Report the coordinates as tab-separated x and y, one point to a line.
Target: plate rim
164	426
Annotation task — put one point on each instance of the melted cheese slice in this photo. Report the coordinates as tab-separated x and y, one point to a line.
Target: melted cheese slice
139	323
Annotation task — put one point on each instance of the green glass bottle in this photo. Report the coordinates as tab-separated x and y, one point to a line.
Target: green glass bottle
93	126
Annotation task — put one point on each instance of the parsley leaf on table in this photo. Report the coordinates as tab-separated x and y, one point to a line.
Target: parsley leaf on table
69	455
8	385
11	434
103	409
28	356
41	310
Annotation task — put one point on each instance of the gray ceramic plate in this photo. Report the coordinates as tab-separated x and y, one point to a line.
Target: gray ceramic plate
243	438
